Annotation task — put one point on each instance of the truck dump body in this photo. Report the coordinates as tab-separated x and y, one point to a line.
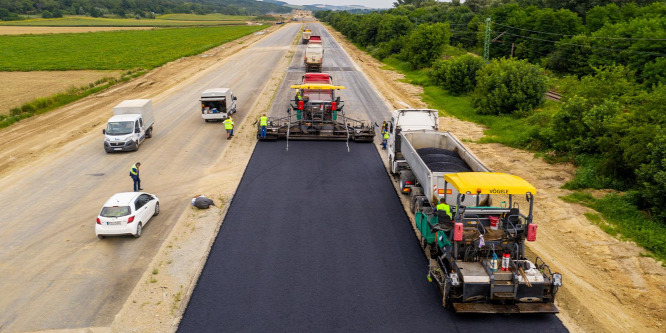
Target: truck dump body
314	55
432	154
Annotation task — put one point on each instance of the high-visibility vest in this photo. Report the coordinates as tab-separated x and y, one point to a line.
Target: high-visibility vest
263	121
386	135
446	208
228	124
134	170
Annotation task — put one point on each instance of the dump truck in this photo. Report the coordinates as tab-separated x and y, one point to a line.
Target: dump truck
217	104
131	124
314	57
316	113
306	35
477	253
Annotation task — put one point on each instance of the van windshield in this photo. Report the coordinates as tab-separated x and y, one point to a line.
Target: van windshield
120	128
117	211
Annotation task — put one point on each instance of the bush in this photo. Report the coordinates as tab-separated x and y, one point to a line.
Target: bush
46	14
457	75
508	86
425	44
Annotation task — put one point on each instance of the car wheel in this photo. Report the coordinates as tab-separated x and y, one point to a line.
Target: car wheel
138	231
157	209
100	236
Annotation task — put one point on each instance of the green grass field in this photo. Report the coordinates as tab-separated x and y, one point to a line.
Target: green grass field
168	21
128	49
208	17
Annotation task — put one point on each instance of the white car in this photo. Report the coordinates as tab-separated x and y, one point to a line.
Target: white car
126	214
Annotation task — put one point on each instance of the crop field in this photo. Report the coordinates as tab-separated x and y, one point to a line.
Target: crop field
112	50
83	21
208	17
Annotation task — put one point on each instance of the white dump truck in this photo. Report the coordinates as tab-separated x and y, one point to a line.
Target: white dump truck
314	57
217	104
132	122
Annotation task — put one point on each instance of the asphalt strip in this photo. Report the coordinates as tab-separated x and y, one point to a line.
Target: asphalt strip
316	240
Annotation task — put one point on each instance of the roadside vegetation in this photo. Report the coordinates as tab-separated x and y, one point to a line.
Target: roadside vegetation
127	49
606	58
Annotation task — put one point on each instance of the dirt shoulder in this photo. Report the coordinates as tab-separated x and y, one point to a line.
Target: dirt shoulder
608	285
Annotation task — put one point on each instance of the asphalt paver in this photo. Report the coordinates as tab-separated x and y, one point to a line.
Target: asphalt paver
316	239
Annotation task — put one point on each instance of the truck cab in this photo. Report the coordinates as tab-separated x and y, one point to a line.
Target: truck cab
131	124
306	36
408	120
217	104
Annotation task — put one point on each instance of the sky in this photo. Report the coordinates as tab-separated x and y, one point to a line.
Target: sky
367	3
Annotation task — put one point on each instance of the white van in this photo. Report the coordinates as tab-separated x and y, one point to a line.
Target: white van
131	124
217	104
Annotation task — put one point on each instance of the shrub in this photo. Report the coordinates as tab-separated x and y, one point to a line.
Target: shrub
508	86
425	44
457	75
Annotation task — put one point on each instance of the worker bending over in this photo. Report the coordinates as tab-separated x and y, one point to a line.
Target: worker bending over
229	126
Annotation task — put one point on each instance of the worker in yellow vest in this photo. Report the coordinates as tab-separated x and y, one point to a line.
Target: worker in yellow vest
444	208
263	122
229	126
384	140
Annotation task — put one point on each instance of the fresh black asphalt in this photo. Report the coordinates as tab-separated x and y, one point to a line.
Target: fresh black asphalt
316	240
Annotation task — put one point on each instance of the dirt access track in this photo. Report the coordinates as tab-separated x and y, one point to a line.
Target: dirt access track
608	285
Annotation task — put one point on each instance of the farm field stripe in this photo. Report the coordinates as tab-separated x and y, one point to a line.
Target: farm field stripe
112	50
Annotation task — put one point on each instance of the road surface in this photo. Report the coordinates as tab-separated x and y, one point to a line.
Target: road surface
316	239
54	272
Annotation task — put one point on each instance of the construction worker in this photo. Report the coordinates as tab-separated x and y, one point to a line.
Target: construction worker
263	121
384	127
232	126
134	173
444	208
384	140
229	126
298	95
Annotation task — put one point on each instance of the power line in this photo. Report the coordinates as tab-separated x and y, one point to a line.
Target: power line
591	37
593	47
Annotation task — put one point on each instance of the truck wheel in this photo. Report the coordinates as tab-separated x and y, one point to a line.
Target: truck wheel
136	143
149	133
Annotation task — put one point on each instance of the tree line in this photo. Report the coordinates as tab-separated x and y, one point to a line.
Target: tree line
14	9
606	57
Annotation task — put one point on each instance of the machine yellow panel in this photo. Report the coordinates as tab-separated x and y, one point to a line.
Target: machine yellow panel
489	183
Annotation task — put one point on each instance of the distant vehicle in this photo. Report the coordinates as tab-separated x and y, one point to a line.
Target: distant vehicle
306	35
217	104
126	213
315	39
132	122
314	57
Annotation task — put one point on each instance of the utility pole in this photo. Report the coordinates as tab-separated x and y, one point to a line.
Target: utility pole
512	46
486	44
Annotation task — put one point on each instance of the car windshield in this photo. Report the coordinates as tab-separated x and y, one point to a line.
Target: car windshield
117	211
120	128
